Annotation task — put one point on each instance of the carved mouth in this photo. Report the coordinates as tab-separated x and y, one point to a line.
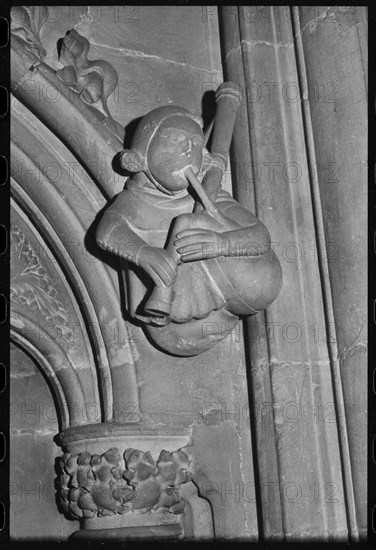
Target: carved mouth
181	171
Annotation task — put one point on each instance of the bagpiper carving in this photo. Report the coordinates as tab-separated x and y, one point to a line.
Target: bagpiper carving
196	259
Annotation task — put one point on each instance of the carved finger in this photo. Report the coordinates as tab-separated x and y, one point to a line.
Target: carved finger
193	238
206	247
198	255
164	275
159	277
188	232
192	256
194	247
171	263
169	268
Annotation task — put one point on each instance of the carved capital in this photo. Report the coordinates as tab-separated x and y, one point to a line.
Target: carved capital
105	485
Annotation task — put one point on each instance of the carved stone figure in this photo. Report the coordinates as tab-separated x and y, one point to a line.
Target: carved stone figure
197	260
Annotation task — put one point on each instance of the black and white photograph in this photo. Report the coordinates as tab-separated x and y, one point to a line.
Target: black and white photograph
188	274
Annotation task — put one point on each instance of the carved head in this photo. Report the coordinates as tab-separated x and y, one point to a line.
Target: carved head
166	142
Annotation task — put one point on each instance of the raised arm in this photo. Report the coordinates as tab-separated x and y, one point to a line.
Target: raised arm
115	235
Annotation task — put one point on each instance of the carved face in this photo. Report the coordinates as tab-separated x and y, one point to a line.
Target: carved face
177	144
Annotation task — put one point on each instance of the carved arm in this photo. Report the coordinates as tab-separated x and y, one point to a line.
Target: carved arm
115	235
250	238
253	240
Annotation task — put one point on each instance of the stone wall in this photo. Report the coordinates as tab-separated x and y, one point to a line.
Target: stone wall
33	425
299	153
163	55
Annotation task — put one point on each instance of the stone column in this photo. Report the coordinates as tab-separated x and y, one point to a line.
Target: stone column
334	65
305	486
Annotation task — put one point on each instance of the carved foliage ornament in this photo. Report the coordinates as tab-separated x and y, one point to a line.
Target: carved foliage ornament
94	80
26	22
105	485
32	287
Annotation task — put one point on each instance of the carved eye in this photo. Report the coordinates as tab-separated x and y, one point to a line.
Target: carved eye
197	140
170	135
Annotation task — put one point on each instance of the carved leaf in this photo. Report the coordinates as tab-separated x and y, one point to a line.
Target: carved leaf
26	22
97	483
19	18
38	15
32	287
97	77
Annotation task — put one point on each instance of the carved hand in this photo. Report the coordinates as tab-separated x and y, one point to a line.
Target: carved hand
158	264
199	244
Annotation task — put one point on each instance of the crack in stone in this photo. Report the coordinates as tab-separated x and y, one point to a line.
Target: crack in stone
275	363
314	22
26	76
85	18
137	53
241	466
304	533
362	345
32	431
266	43
250	43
